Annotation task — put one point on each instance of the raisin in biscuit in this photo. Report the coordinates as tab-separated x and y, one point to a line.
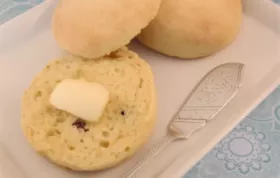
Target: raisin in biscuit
125	125
94	28
193	29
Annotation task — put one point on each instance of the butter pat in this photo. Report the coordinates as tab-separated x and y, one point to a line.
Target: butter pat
83	99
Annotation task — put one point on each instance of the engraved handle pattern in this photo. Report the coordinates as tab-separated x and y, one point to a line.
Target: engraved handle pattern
160	146
212	94
208	98
216	87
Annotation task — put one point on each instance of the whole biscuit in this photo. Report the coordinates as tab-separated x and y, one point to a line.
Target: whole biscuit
193	29
94	28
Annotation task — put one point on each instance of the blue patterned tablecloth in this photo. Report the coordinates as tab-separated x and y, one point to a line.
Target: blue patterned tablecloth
251	150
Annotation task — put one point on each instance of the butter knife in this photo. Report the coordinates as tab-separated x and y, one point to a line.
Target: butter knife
208	98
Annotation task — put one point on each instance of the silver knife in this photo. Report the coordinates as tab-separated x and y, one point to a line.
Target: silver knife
208	98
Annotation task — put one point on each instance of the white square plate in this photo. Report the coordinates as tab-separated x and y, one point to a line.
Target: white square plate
26	44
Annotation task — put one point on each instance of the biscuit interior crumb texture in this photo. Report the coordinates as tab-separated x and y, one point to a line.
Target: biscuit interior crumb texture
124	127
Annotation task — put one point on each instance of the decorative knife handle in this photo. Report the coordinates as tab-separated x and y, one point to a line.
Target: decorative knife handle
156	149
207	99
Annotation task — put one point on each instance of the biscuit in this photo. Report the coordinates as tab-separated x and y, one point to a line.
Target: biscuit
193	29
126	124
94	28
